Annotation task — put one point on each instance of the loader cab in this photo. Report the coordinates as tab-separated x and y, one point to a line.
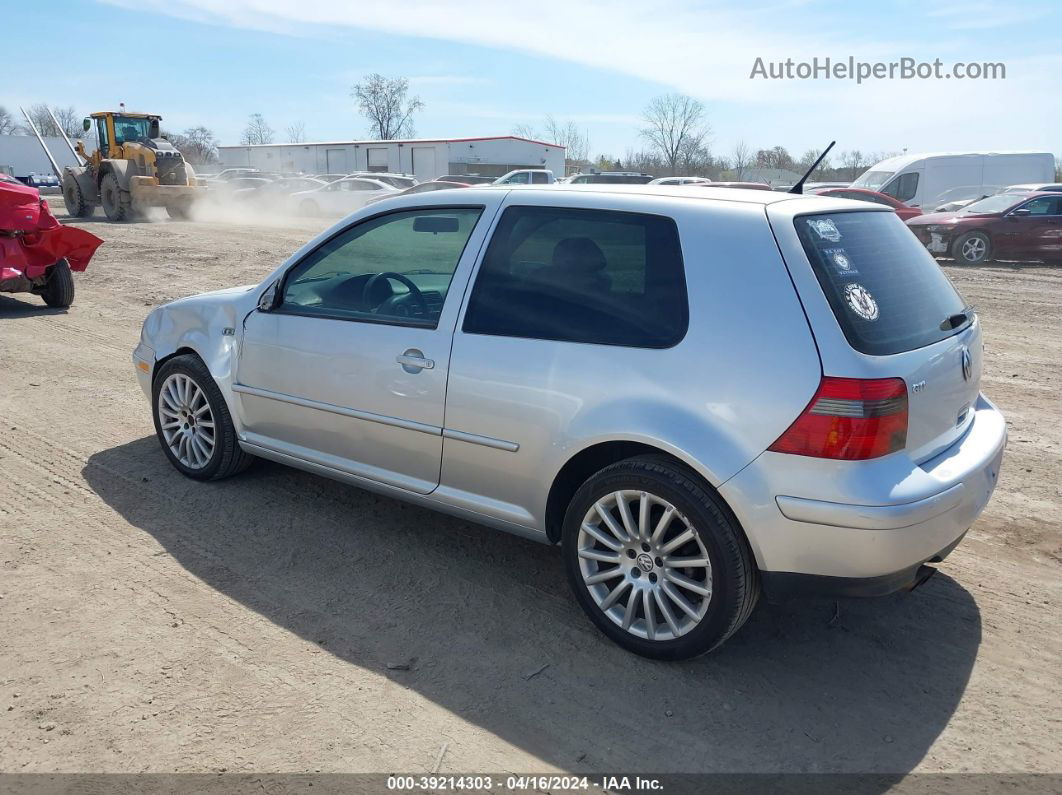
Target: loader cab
114	130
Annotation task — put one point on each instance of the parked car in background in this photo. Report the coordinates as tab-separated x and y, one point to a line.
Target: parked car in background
274	191
423	187
470	179
523	360
741	185
1048	187
862	194
228	174
1004	226
40	181
400	181
610	178
930	180
680	181
340	197
329	177
812	186
527	176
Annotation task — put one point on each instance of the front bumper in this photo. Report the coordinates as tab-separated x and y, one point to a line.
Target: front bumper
877	520
144	366
938	242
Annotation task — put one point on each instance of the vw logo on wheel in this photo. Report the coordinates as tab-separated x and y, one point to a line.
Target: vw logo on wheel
645	562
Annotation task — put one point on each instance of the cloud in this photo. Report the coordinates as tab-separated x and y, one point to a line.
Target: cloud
707	50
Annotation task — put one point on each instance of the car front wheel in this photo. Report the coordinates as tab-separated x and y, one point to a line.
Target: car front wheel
973	248
657	561
193	423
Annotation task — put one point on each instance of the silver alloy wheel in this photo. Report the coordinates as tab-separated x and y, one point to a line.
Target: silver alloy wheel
644	565
186	421
973	249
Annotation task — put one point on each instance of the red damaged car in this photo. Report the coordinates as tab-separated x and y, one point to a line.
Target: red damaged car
37	253
905	212
1018	226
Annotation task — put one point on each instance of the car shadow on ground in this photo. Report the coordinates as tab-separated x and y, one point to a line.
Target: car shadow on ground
487	629
26	305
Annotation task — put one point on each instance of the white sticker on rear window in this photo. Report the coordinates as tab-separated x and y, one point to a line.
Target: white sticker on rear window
839	258
826	229
861	301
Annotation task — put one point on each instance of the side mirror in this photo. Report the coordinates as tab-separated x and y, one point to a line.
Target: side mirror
1021	212
86	124
267	301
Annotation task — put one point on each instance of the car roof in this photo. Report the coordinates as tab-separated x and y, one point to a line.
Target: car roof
690	192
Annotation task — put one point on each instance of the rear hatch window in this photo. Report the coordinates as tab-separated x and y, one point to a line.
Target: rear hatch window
887	292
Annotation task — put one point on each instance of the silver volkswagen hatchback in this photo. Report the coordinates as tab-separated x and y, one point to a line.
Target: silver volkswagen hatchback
700	394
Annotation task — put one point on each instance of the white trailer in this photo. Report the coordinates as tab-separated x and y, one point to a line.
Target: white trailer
930	180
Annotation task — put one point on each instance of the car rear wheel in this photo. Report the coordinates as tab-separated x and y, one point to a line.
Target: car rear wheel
193	423
973	248
657	561
309	208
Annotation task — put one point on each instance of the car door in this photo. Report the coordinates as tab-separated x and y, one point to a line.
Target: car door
1034	229
347	367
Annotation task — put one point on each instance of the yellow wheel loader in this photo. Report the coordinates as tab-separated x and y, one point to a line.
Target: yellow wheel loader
134	168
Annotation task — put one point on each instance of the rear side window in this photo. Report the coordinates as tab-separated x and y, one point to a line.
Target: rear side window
594	276
887	292
903	188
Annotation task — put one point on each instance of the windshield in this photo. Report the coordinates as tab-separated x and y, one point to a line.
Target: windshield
127	129
992	204
873	180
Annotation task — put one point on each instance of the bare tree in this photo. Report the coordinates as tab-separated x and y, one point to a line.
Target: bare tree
41	116
576	142
675	123
7	124
808	159
382	100
852	163
775	157
741	159
197	144
296	132
526	131
257	131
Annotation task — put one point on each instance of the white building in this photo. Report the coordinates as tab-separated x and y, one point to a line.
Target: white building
425	158
21	155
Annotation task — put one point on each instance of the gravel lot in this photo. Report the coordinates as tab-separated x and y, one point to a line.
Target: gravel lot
282	622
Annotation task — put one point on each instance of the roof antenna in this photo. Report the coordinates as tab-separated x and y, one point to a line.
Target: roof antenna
799	187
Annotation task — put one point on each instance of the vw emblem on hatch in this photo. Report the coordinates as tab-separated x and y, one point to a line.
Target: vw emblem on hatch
967	364
645	562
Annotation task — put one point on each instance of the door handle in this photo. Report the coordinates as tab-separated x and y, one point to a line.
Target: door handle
413	361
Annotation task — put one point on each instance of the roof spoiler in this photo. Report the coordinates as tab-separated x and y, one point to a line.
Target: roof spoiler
799	187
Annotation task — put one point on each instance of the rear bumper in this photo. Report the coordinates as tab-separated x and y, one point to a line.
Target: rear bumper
872	521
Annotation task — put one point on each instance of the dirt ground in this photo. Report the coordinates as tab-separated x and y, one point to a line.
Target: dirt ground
282	622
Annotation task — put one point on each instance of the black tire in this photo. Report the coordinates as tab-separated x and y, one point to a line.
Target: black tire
981	243
117	203
58	291
228	458
74	198
734	576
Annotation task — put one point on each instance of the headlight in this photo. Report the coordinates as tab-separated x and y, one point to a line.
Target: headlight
938	228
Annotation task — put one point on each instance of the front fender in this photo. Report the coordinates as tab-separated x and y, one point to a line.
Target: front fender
206	325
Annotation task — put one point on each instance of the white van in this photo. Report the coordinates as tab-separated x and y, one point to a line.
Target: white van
930	180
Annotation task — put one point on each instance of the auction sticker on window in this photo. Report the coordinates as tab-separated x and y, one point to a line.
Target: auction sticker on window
840	259
861	301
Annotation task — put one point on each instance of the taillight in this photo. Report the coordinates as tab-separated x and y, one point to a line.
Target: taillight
850	419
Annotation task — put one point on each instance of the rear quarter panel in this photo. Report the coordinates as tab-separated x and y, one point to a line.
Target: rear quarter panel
745	369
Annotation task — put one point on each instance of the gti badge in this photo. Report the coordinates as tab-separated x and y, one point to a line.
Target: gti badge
967	363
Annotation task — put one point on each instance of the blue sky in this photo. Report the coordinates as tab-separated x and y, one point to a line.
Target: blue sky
484	66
